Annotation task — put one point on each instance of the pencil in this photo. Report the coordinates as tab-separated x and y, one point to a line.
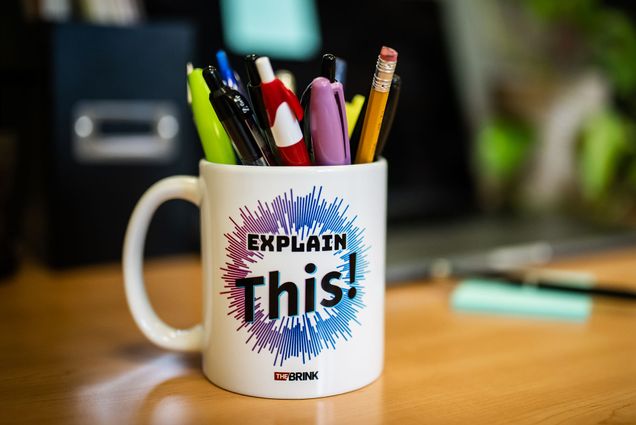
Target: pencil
384	70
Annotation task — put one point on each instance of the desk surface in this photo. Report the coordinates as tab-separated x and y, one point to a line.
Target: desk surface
70	353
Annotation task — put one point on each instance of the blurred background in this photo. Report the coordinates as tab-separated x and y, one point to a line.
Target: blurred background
514	139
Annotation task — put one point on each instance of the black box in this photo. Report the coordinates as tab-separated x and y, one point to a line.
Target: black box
115	121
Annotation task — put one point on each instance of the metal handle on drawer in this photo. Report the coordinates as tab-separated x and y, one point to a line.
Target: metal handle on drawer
155	142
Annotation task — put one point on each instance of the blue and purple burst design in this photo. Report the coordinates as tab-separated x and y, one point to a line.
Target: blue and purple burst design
304	335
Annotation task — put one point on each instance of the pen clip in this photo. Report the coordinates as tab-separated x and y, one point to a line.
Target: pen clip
338	94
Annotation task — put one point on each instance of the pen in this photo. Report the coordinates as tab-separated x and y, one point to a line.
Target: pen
552	280
354	108
189	69
229	77
238	120
354	138
385	67
283	112
216	143
305	123
341	71
256	97
389	114
328	122
328	71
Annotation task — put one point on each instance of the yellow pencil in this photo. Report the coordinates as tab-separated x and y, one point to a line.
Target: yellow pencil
384	70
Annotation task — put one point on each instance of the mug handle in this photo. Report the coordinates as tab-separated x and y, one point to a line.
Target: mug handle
155	329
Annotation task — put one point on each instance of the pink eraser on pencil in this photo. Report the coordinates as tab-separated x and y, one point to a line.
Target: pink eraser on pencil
388	54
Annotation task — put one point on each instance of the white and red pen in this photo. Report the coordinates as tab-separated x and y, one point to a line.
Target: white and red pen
283	113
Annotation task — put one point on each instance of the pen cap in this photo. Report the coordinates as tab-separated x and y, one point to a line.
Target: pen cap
265	70
252	72
213	79
223	61
341	71
220	94
328	122
328	67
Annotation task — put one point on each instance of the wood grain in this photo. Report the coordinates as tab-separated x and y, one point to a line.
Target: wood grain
70	353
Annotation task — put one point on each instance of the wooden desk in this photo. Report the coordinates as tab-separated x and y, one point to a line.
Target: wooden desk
70	353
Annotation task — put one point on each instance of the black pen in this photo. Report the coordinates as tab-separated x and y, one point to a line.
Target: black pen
256	97
389	114
238	120
552	280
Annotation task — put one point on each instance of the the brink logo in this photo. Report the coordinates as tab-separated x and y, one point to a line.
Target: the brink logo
296	376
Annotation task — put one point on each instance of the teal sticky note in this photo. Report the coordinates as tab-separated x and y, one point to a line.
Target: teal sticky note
487	296
280	29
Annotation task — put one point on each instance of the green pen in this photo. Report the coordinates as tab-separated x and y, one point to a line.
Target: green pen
216	143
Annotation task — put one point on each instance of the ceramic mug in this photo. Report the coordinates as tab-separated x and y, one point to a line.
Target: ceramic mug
293	276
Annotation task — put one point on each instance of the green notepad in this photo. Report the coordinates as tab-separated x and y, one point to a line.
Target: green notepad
487	296
281	29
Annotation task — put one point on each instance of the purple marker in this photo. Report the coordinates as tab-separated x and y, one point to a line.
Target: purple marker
328	122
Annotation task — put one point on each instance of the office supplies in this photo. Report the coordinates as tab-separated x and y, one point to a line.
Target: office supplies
328	122
385	67
256	97
353	109
254	89
189	69
306	121
354	139
283	113
328	67
328	71
389	114
216	143
487	296
238	120
229	77
288	79
577	282
341	71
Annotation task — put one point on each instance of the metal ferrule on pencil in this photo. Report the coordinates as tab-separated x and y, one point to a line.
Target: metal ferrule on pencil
383	75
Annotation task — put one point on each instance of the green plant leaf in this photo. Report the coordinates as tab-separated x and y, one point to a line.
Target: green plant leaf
603	143
501	149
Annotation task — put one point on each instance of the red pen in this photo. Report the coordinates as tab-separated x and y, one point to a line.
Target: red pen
283	113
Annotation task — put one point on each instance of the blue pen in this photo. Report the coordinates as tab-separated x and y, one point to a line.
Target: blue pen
341	70
228	76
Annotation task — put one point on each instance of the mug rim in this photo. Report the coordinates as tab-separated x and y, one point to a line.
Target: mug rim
379	163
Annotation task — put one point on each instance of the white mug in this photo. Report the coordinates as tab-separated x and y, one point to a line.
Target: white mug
293	276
